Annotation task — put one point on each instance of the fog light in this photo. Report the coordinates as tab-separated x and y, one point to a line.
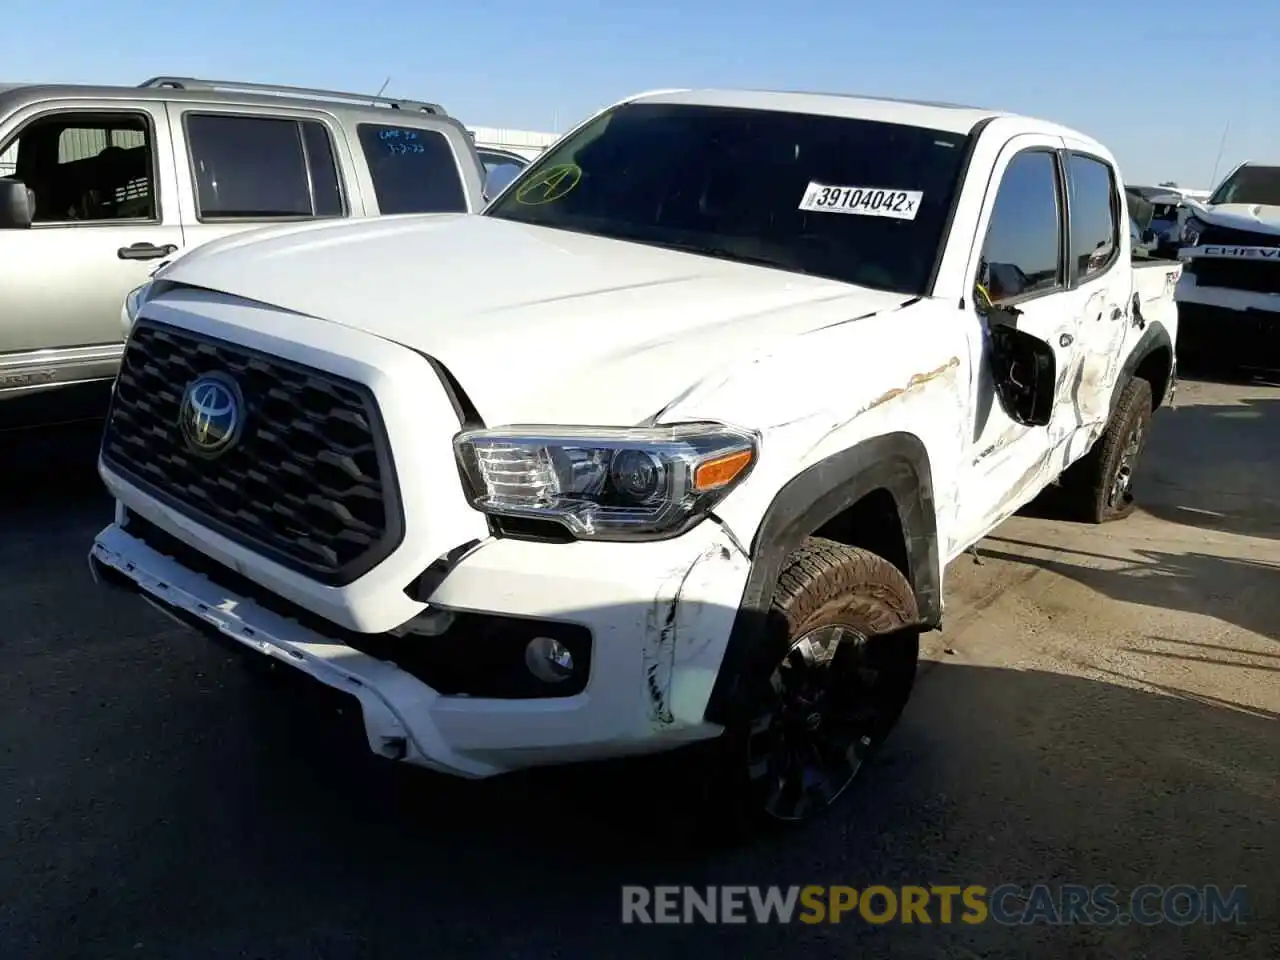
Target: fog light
549	660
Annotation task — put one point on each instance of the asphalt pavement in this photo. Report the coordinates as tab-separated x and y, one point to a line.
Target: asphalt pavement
1102	709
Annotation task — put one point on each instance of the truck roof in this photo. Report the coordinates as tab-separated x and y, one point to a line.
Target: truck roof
953	118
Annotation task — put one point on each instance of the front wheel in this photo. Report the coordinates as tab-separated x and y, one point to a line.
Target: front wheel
825	689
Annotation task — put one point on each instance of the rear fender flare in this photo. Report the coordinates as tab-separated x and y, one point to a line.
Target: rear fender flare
1155	337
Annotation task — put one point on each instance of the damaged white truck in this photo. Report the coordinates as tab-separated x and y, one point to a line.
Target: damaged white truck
687	465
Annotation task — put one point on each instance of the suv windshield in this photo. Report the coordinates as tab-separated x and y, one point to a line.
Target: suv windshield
853	200
1251	184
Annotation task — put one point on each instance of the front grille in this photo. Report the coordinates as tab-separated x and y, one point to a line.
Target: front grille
309	483
1256	276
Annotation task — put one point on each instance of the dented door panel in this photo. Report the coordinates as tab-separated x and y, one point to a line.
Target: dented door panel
1019	262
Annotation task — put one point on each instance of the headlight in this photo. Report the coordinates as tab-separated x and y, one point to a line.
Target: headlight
605	483
132	304
1191	231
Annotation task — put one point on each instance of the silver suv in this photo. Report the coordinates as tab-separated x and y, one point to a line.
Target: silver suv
99	185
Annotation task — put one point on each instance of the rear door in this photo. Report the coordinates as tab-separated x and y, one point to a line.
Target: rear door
106	212
245	167
1099	282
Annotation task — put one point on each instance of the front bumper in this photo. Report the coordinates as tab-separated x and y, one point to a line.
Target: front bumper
659	616
1222	325
1214	334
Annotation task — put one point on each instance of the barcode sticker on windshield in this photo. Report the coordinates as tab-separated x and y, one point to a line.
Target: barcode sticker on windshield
862	201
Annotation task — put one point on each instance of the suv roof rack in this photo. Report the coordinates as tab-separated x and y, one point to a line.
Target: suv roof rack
194	83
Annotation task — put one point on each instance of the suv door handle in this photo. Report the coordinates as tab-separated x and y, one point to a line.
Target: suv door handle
1116	313
1066	340
145	251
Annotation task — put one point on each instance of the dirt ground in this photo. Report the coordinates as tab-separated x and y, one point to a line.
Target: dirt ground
1102	708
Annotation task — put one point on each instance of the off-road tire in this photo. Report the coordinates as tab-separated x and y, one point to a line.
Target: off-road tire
1096	492
823	585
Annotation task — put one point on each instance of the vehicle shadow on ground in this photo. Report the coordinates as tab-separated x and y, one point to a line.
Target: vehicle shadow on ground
1233	590
234	821
1208	466
48	465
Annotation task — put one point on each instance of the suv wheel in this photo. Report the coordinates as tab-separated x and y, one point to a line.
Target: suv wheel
829	688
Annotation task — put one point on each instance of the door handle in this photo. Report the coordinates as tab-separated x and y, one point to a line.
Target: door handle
1116	313
145	251
1066	340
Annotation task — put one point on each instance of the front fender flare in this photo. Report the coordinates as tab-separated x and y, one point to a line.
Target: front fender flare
897	462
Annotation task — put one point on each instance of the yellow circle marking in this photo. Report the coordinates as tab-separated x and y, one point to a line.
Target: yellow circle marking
551	184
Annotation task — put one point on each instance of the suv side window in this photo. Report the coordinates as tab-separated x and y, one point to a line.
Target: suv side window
86	167
1095	230
414	171
262	168
1022	253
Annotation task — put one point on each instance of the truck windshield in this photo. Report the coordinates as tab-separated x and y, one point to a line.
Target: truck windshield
1251	184
853	200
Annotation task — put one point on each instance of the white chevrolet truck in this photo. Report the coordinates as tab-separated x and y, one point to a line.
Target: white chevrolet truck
671	445
1229	293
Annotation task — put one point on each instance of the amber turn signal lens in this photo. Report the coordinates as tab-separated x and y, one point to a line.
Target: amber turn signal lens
716	473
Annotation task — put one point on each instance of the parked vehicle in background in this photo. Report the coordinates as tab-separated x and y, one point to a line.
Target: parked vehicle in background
104	183
690	468
500	167
1229	294
1162	212
492	159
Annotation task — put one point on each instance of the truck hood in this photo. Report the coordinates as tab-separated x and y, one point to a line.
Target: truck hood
1258	217
536	324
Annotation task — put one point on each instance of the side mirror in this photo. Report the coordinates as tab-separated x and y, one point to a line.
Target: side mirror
1023	368
497	179
17	204
1025	372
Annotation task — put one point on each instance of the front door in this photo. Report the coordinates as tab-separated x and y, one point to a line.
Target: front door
1020	265
105	216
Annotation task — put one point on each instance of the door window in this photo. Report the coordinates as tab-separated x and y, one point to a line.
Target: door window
262	168
1022	253
1095	229
86	167
413	170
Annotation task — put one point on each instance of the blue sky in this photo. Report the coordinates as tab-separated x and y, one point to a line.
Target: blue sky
1156	81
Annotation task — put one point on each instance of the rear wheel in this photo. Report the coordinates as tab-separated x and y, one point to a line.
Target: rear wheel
1100	485
825	689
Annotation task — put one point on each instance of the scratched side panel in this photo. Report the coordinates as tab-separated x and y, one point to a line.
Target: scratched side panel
820	393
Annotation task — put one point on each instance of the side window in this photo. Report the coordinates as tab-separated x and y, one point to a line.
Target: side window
493	159
262	168
85	167
414	171
1095	234
1023	250
325	183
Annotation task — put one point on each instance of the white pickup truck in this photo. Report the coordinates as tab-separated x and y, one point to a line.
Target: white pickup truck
672	443
1229	294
